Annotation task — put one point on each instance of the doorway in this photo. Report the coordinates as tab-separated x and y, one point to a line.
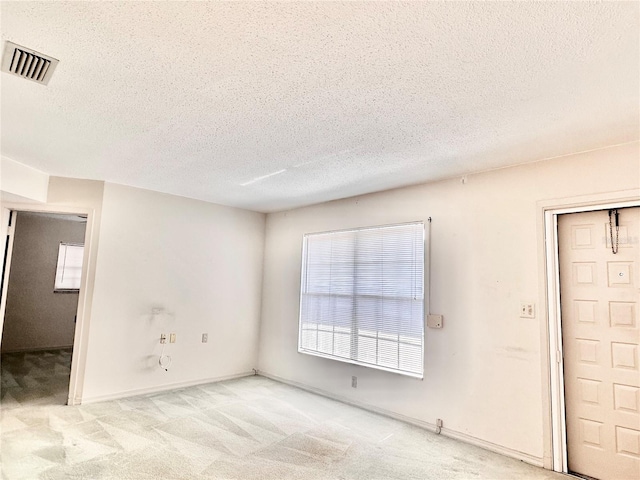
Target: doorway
40	292
599	334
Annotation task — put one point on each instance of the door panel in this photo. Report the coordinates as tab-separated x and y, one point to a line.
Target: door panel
600	298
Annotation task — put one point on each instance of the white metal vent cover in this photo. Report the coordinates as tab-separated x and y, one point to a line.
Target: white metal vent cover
27	63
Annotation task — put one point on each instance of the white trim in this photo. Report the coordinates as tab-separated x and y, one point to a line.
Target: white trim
368	227
583	203
493	447
162	388
558	430
463	437
6	237
593	208
550	211
314	353
79	355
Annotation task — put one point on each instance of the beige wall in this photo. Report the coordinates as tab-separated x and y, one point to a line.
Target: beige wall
36	317
21	183
80	196
483	370
198	262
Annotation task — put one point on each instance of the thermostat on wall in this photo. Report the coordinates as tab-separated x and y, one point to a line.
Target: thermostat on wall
434	321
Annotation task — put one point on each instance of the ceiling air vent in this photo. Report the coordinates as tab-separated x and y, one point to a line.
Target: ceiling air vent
27	63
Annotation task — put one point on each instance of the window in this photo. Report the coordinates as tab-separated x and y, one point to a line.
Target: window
362	297
69	269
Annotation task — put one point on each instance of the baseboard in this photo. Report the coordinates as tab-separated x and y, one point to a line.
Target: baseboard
463	437
160	388
494	447
38	349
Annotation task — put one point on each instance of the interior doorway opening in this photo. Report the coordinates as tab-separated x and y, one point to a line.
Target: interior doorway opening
41	286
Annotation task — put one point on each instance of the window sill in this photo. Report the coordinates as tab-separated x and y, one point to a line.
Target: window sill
419	376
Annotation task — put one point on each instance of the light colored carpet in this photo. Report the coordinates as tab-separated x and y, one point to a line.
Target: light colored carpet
251	428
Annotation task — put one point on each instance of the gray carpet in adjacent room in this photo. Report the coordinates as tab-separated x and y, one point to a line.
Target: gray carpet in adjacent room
250	428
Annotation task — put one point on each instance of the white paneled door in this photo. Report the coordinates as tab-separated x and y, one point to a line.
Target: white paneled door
600	299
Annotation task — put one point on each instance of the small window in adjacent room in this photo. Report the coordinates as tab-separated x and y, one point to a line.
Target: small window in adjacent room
69	269
362	297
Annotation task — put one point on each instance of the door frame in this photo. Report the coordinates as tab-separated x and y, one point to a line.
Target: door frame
79	352
555	438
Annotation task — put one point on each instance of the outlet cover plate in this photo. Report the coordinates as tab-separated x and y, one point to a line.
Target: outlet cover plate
527	310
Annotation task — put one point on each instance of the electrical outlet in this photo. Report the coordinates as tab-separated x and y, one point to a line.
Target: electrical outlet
172	338
527	310
354	382
205	337
163	338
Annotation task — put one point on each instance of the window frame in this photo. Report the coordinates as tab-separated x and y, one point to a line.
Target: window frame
425	286
57	289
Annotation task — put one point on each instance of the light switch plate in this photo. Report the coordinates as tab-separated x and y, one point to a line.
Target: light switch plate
434	321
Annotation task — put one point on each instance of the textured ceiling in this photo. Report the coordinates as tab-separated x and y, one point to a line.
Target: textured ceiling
269	106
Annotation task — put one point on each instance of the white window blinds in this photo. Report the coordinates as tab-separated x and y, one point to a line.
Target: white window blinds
69	269
362	297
